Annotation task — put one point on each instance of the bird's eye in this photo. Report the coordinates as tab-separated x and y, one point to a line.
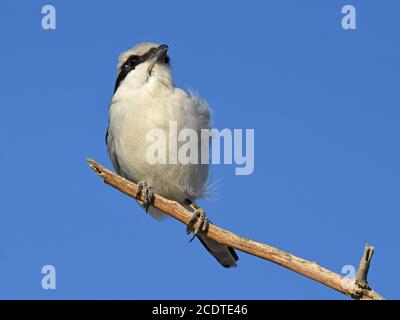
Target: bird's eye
133	61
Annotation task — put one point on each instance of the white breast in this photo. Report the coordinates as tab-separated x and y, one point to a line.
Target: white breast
133	114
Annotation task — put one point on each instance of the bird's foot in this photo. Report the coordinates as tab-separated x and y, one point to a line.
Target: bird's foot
199	216
147	191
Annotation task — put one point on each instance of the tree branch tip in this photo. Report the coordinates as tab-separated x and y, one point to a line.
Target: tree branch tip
369	251
95	167
363	269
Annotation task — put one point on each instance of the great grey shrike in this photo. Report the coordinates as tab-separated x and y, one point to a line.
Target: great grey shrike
146	98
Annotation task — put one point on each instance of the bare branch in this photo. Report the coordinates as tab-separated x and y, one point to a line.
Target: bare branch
362	273
356	289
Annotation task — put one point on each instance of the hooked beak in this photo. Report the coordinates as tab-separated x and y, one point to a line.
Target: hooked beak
157	55
160	52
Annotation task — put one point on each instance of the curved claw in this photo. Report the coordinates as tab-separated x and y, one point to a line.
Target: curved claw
192	222
149	198
140	189
202	226
147	190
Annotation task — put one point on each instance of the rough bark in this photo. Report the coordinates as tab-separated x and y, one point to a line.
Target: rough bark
355	288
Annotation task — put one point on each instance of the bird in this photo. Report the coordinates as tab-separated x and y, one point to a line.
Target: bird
145	97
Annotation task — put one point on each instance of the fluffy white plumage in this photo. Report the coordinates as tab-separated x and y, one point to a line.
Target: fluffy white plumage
147	99
143	102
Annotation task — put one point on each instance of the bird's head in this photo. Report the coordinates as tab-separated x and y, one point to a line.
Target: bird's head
145	63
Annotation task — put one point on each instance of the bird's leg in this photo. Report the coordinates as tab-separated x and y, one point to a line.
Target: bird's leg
147	191
199	216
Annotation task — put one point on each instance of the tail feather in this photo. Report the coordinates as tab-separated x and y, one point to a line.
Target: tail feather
226	256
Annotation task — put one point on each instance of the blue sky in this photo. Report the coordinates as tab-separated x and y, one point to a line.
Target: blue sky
325	106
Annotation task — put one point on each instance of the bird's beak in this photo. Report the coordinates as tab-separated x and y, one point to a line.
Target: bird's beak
157	55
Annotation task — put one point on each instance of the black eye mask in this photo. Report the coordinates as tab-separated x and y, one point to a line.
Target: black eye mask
131	63
127	67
